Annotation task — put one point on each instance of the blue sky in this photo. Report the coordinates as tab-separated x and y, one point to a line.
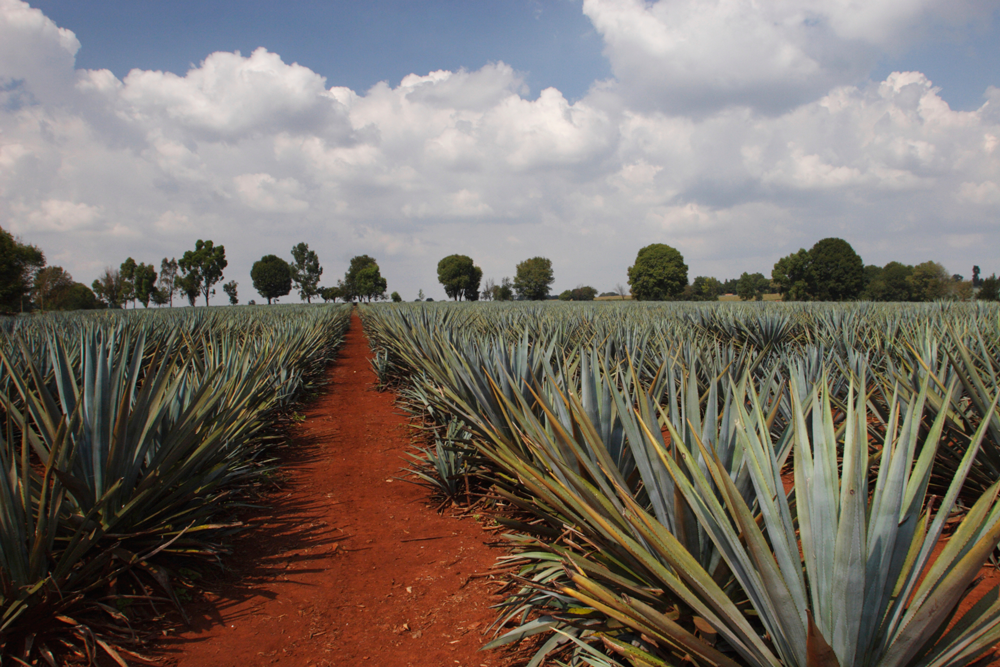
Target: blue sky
735	131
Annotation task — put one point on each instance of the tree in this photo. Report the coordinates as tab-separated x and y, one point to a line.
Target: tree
306	271
18	264
976	280
49	285
189	286
989	289
144	283
929	281
127	273
659	273
108	288
705	288
204	265
230	290
363	280
76	297
579	293
534	278
505	292
791	277
836	272
891	283
489	290
271	276
395	297
329	293
751	286
621	291
168	279
460	277
420	295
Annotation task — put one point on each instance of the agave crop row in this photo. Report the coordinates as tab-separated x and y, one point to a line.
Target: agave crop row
728	484
121	436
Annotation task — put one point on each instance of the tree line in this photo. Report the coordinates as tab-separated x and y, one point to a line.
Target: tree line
828	271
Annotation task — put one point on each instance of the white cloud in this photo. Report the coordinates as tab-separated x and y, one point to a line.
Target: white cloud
734	170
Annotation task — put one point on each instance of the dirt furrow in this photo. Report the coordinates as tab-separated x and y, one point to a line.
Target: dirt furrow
348	565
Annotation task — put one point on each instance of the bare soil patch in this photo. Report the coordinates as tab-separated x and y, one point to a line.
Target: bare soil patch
347	565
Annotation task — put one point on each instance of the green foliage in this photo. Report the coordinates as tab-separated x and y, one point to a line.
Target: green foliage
330	294
752	286
929	282
533	279
460	277
705	288
168	280
49	284
579	293
989	289
127	273
230	290
109	288
829	271
203	267
363	280
18	264
306	271
272	277
395	297
659	274
144	283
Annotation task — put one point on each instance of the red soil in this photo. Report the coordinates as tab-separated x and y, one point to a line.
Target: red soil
348	565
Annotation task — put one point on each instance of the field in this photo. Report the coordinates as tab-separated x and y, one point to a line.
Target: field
733	484
716	484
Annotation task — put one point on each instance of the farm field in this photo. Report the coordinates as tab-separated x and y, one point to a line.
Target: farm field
738	484
725	484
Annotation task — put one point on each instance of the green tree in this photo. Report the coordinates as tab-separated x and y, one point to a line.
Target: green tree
272	277
989	289
204	266
168	280
49	284
230	290
144	283
395	297
791	276
891	283
534	278
363	280
579	293
329	294
108	288
836	272
18	264
460	277
929	281
659	273
76	297
505	291
127	273
752	286
306	271
705	288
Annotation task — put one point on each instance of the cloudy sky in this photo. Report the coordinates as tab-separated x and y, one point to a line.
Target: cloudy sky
734	130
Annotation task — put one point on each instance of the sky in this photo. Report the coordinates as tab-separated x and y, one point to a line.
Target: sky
737	131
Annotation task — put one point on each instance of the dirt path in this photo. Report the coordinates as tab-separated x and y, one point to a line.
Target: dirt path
349	566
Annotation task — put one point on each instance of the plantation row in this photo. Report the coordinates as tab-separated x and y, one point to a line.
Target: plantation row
731	484
125	441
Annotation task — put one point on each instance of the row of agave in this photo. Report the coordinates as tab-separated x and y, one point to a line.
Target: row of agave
124	437
730	484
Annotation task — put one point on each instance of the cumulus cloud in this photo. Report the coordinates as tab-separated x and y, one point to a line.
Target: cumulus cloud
736	155
697	56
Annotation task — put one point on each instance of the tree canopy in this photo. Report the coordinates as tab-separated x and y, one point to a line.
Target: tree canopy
18	264
579	293
306	271
829	271
271	276
534	278
363	280
203	267
460	277
230	290
659	273
752	286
